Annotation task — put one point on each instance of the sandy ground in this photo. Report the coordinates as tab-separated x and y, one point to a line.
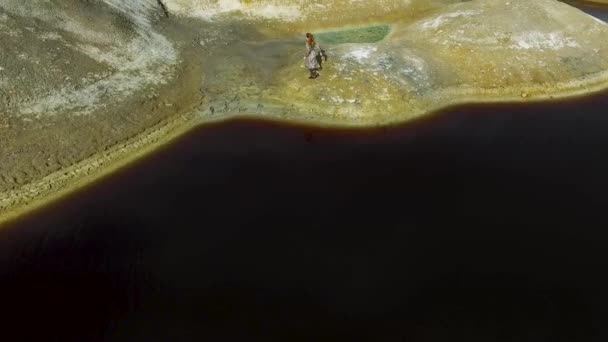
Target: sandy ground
76	105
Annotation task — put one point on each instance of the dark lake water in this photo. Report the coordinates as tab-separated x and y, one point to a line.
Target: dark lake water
596	10
483	223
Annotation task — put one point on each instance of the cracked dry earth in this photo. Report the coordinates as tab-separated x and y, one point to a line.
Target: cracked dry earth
86	83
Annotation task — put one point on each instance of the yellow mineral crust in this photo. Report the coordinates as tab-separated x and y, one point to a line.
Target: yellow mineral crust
472	51
88	86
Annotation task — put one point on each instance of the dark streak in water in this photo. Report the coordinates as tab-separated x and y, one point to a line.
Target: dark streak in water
484	223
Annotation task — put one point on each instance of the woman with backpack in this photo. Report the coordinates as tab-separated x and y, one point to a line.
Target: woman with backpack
313	56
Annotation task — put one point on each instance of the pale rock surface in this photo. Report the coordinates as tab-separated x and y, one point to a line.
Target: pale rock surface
79	53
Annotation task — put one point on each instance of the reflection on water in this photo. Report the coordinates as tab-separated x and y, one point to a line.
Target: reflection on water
486	223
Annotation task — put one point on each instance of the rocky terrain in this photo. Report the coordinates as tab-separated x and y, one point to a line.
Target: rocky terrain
87	84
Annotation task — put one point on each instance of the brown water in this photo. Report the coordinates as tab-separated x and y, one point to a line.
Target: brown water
482	223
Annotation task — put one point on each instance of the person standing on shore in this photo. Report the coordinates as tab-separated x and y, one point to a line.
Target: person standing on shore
312	60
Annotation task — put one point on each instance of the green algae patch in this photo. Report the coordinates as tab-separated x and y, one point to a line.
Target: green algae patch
369	34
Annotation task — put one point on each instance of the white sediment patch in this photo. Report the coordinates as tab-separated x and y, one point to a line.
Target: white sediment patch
411	71
50	36
361	54
400	67
286	10
275	12
337	99
139	11
41	9
414	67
542	40
146	60
208	10
151	65
444	18
458	38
